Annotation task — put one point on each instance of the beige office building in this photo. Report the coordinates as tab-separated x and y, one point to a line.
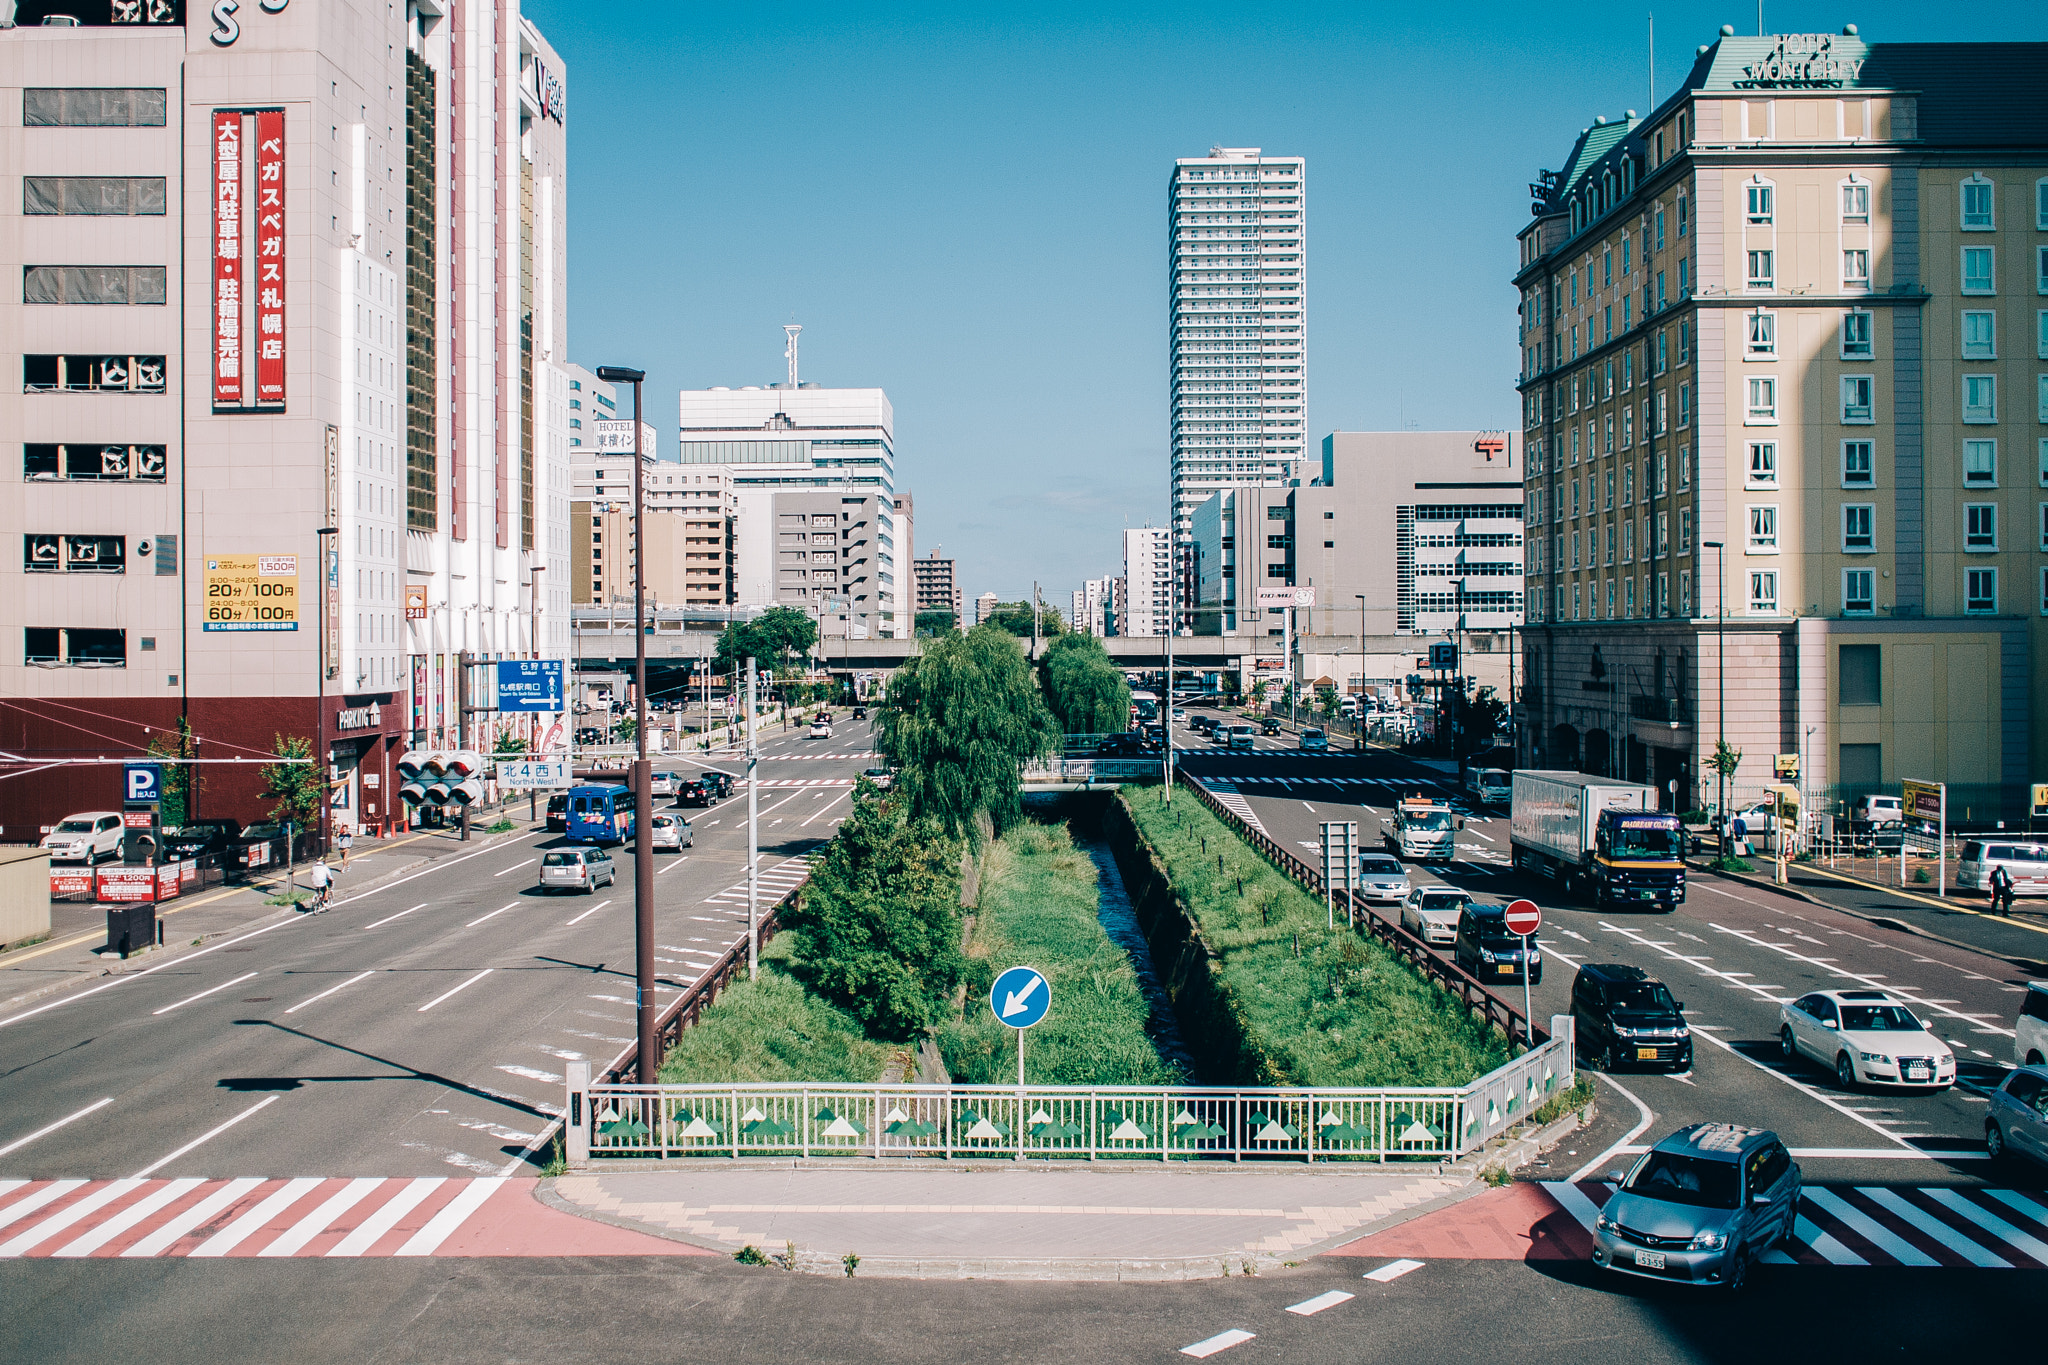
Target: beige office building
1797	313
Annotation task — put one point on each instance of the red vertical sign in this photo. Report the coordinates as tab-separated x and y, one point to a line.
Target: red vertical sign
227	258
270	258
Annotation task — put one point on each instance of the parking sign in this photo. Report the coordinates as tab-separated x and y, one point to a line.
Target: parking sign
143	782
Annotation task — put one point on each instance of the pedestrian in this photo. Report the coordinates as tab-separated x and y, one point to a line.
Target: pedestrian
345	840
2001	888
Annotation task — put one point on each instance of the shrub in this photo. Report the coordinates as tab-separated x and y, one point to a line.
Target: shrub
773	1030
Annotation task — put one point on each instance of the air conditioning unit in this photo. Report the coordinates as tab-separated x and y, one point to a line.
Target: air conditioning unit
114	462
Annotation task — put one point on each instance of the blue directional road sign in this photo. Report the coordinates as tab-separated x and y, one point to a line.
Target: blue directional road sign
144	782
530	685
1020	997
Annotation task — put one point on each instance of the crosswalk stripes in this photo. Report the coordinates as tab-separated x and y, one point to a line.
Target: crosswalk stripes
1226	793
1928	1226
785	782
775	882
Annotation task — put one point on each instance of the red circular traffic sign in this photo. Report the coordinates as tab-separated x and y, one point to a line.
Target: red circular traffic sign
1523	918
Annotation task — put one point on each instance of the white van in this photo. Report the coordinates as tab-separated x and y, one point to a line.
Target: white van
2026	863
1488	786
2030	1033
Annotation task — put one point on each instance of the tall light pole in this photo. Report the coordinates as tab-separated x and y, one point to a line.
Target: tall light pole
1358	719
648	1058
1721	681
320	702
754	833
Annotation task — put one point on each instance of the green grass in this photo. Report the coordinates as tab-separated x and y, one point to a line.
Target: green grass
1038	904
774	1030
1317	1007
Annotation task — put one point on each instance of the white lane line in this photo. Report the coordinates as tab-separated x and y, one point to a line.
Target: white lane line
680	859
1905	993
203	994
162	1162
329	991
1574	1201
1644	1120
48	1194
1933	1227
400	915
237	1232
1222	1341
1820	1243
429	1238
1392	1270
1991	1223
493	915
386	1218
57	1222
1872	1231
316	1222
514	868
1488	837
224	1197
829	805
593	910
163	1197
439	998
45	1132
1307	1307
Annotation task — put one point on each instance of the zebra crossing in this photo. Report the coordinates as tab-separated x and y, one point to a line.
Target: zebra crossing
784	782
786	758
1226	793
775	882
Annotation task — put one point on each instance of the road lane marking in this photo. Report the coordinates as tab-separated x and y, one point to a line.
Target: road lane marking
1868	1228
1991	1223
49	1194
1822	1244
1574	1202
153	1167
1933	1227
329	991
679	860
384	1219
592	910
429	1238
127	1218
439	998
203	994
493	915
1309	1307
313	1224
225	1197
1391	1271
19	1143
239	1231
1222	1341
400	915
514	868
1592	1168
1875	979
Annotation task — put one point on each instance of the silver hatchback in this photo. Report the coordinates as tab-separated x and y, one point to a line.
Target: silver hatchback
577	869
1700	1207
671	832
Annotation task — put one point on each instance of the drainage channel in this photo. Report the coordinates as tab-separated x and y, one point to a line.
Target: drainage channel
1120	922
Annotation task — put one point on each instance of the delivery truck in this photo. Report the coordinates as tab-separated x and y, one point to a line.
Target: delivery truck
1603	839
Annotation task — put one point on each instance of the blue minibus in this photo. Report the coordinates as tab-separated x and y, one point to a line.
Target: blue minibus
600	814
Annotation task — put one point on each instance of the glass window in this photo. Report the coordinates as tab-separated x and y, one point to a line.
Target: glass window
1856	202
1980	592
1857	398
1858	521
1856	336
1757	200
1858	595
1859	677
1763	337
1855	268
1979	335
1858	465
1980	526
1761	272
1763	529
1977	270
1980	464
1763	400
93	108
1763	462
1685	530
1977	205
1763	591
1980	398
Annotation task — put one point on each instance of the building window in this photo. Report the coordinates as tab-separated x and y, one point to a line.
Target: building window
1763	529
1979	335
1858	595
1684	467
1856	202
1628	428
1663	475
1980	464
1663	416
2041	270
93	108
1980	592
1663	534
1663	607
1628	606
1978	277
1628	542
1763	337
1763	401
92	195
1684	403
1977	204
2042	459
1859	468
1576	589
1859	535
1980	398
2044	527
74	554
92	373
1980	526
1756	198
1560	602
95	462
1857	398
1856	336
1763	464
1662	337
58	647
1761	272
2044	591
1685	592
93	284
1763	591
1685	326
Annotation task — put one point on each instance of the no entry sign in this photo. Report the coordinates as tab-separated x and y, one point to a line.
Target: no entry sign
1524	918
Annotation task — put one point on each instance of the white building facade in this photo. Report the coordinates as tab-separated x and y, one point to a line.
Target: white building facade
1148	580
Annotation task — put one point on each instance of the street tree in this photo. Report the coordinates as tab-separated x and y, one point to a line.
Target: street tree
298	787
1485	716
182	781
932	623
1084	688
772	638
962	719
1015	617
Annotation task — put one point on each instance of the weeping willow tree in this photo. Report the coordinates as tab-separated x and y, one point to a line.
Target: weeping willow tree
1084	688
962	720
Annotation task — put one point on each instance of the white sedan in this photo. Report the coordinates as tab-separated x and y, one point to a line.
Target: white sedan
1866	1038
1431	912
1382	878
821	730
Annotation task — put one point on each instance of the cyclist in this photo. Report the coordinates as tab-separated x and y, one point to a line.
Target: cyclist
321	878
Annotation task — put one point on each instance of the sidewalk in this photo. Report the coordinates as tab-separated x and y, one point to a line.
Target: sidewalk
984	1221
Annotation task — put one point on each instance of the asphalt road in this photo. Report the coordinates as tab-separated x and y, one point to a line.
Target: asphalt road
640	1309
418	1029
1731	954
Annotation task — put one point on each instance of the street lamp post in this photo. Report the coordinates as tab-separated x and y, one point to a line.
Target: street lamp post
320	703
1358	719
648	1059
1721	683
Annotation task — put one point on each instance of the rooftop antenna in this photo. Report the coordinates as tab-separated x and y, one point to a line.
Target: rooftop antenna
1653	59
790	329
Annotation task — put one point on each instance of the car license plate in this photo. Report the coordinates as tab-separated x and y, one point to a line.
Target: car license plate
1646	1054
1919	1073
1650	1260
1507	969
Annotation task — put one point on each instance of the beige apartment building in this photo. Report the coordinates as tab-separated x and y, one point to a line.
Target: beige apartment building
1785	360
688	556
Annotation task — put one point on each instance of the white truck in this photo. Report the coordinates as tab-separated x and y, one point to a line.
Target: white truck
1603	837
1488	786
1421	829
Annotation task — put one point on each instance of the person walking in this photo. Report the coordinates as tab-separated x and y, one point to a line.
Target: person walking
345	840
2001	888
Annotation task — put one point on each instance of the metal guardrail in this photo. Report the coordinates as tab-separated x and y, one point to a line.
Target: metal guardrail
1119	1123
1410	949
1094	770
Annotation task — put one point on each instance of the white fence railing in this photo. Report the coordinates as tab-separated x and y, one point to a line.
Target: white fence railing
1119	1123
1094	770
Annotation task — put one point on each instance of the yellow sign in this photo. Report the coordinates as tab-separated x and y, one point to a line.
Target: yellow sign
1923	800
2041	798
1786	765
252	592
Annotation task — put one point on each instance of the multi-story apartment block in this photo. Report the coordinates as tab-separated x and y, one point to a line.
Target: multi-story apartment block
1093	607
1148	580
984	608
590	401
938	585
1783	360
1237	321
291	416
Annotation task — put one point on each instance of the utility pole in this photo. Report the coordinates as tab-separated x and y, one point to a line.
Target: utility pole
1034	621
753	837
1172	616
1721	666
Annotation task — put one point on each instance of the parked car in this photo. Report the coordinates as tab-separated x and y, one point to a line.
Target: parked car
1315	740
86	837
1382	878
1866	1038
2030	1031
1700	1207
671	832
693	791
2026	863
577	869
1624	1017
2017	1121
881	777
821	730
1486	948
558	813
261	843
200	838
1431	913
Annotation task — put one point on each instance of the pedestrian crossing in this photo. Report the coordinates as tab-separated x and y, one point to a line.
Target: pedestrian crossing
775	882
785	758
1226	793
784	782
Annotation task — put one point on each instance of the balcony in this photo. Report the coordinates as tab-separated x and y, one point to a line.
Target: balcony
1667	710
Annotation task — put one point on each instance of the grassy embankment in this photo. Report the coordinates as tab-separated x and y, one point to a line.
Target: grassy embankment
1316	1007
774	1030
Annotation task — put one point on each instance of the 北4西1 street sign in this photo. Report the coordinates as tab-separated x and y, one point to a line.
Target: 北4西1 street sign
1020	997
1524	918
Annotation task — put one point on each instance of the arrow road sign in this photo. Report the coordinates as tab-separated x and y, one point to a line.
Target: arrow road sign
1524	918
1020	997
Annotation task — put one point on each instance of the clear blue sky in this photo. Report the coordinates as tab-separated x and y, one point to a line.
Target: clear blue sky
966	206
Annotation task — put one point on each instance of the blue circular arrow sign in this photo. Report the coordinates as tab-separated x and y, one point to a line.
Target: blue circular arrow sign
1020	997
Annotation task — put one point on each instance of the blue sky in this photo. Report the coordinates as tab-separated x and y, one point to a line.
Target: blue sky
966	206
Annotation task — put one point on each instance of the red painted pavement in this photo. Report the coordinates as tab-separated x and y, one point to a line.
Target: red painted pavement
1513	1223
513	1222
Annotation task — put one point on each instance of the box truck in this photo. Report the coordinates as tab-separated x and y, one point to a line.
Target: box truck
1601	838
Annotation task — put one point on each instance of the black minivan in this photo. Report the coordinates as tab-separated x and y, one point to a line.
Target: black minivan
1625	1017
1490	951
